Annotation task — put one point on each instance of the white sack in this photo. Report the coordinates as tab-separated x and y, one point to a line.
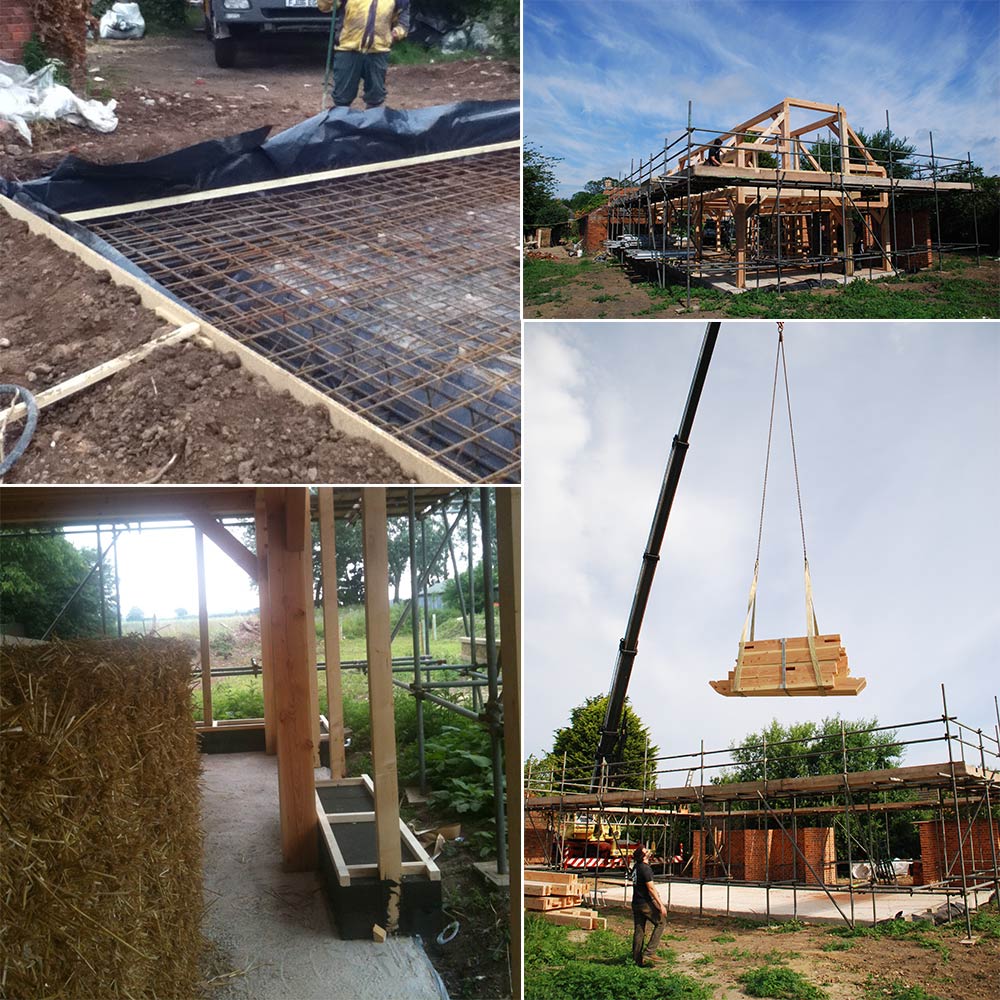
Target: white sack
123	20
25	99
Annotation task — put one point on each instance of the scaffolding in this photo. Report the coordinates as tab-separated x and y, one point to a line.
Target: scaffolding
795	800
781	203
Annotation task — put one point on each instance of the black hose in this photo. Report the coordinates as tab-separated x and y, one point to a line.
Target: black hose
29	425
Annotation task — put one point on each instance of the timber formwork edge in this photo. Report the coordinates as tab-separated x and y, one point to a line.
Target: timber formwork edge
422	468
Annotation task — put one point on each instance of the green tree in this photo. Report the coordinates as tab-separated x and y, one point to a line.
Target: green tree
827	152
808	748
541	206
592	196
135	614
578	741
38	574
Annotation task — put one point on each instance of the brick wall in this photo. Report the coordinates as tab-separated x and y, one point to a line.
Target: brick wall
593	230
938	849
536	841
16	28
914	229
762	855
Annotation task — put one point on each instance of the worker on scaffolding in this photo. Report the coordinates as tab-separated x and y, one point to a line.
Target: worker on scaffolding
715	153
646	909
364	32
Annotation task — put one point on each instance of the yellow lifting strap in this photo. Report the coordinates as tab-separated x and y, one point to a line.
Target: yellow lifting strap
749	624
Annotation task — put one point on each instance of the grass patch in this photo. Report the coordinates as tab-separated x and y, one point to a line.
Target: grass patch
779	983
542	282
986	921
883	988
787	927
598	968
605	298
724	939
407	53
840	945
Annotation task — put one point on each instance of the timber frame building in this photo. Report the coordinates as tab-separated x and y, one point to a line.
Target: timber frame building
789	194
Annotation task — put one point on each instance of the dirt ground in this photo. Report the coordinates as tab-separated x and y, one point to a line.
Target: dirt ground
717	951
58	318
171	94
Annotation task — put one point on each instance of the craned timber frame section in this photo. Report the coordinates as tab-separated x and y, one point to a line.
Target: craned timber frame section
680	799
777	222
283	566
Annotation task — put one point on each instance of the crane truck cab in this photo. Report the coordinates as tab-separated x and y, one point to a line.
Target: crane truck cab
229	21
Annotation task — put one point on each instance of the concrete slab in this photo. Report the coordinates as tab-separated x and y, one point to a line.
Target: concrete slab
488	869
783	904
276	924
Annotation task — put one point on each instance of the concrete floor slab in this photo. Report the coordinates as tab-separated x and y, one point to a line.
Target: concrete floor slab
275	924
783	904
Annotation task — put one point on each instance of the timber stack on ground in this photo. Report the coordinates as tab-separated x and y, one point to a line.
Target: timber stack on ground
558	898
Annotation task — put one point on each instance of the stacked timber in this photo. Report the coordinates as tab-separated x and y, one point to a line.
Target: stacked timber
558	897
769	667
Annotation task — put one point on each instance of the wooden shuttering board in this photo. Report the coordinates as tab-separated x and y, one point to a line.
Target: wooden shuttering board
769	671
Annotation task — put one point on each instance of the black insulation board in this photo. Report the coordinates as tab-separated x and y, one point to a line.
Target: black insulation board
346	798
357	843
364	903
226	739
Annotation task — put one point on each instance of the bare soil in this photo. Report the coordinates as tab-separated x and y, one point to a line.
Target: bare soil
717	951
587	289
171	94
58	318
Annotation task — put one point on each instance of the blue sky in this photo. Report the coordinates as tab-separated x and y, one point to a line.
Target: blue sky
897	428
607	81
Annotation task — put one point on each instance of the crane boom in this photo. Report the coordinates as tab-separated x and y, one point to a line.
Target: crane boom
611	730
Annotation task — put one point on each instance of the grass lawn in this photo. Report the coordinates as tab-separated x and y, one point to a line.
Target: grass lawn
960	290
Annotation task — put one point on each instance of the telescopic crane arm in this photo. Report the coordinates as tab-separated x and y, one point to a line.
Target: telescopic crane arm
611	731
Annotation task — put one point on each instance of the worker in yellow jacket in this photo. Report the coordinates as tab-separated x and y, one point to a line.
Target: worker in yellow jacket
363	35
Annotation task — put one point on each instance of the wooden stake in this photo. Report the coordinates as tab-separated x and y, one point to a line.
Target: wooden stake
508	513
307	566
331	632
380	695
290	604
104	370
206	662
264	613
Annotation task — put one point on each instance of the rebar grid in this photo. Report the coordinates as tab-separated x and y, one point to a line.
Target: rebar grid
394	293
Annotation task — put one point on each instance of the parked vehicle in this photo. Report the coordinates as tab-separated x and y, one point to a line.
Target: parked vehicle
229	21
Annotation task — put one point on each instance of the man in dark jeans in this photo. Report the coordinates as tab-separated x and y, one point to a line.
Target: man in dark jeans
646	909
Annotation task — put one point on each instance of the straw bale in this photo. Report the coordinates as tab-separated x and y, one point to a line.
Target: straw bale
100	832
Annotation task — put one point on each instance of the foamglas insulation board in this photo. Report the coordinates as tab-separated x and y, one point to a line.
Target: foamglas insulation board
345	798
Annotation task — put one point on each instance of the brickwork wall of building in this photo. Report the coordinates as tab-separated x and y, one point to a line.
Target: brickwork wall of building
16	27
938	849
914	229
535	843
762	855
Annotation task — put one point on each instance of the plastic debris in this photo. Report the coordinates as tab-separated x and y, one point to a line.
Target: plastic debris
26	98
123	20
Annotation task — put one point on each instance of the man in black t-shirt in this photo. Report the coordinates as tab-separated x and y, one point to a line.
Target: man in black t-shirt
646	909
